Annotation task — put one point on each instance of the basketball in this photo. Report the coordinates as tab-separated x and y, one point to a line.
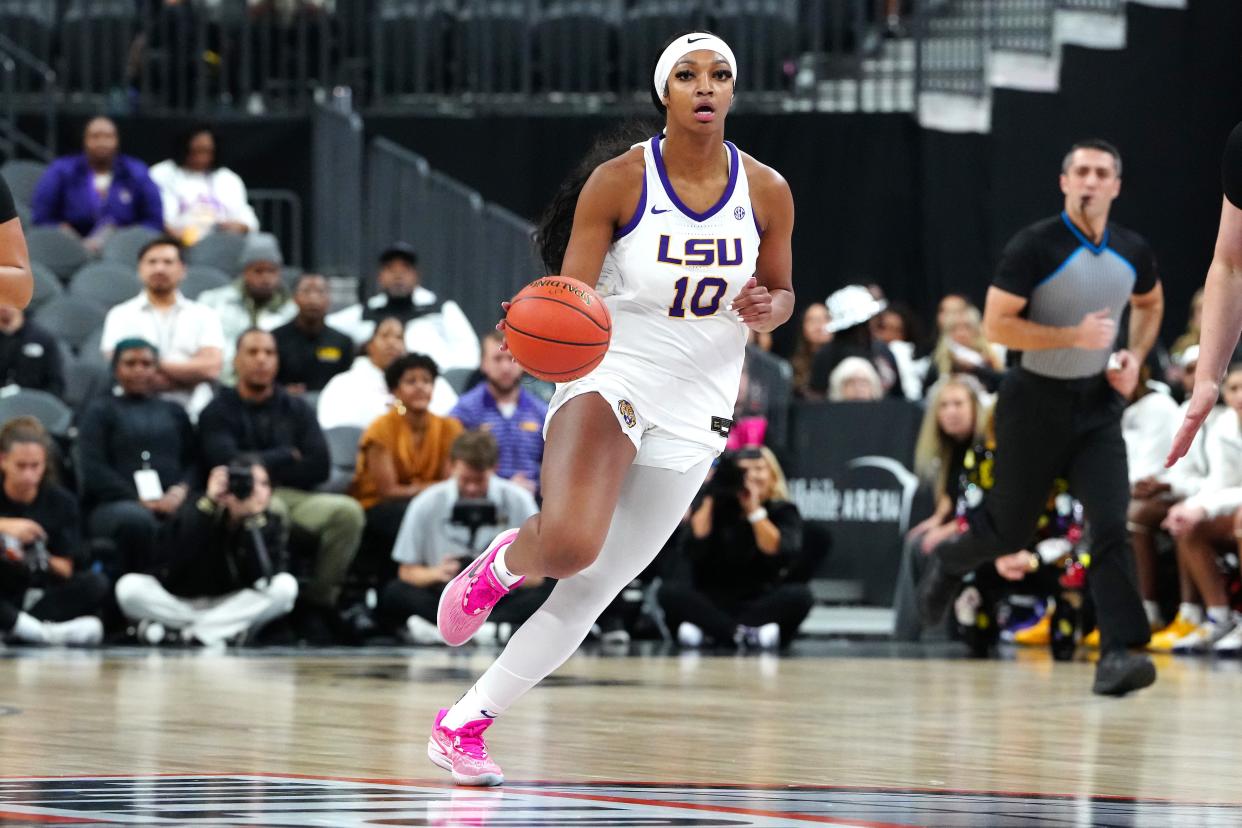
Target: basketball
558	328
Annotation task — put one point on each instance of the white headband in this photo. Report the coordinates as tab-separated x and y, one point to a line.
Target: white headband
683	46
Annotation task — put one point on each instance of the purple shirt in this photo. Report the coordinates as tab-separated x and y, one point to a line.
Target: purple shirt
66	194
519	437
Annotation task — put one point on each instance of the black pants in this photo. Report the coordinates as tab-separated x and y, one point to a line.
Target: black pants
374	561
719	616
82	594
130	529
1046	427
399	600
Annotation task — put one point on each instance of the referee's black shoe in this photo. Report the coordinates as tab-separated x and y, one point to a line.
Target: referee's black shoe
1121	671
936	591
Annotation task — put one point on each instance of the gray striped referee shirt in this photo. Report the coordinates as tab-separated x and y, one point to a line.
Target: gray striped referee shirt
1064	276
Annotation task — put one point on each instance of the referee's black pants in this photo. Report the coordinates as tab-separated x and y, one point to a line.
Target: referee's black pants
1046	427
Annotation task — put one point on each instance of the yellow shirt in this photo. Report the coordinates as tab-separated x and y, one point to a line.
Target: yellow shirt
421	460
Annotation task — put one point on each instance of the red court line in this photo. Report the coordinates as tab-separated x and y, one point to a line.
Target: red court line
47	818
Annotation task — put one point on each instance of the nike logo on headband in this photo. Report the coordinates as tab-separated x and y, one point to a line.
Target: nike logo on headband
696	39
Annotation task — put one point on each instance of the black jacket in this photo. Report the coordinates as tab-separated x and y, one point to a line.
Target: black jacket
728	563
201	554
115	432
31	358
272	430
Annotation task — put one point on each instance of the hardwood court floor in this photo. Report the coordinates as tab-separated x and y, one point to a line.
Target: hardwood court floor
856	716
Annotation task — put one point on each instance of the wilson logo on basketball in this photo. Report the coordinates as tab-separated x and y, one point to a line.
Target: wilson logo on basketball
586	298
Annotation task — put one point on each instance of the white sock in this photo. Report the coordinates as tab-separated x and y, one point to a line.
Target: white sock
1218	615
473	705
1153	613
1192	613
502	573
29	629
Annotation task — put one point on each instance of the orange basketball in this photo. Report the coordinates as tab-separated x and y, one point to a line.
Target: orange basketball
558	328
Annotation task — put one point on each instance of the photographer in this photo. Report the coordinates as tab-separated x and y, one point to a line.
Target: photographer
222	568
39	530
444	528
744	537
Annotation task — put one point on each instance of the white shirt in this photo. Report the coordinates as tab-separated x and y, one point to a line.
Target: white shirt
446	336
1221	492
179	331
1188	474
360	395
426	537
1148	427
197	201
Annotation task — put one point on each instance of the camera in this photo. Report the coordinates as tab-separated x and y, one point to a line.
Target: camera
729	478
474	514
241	481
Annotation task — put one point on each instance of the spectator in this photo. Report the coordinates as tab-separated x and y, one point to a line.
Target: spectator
744	537
199	196
29	356
402	453
360	395
310	352
434	327
260	417
436	540
256	299
1210	518
98	191
951	426
854	380
187	335
507	411
963	349
138	457
1191	336
813	334
223	571
41	549
850	310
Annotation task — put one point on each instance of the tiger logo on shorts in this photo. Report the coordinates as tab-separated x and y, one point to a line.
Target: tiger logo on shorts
627	413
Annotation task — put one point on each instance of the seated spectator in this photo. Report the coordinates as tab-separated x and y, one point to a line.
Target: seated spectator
29	356
259	417
360	395
1212	518
436	540
962	349
138	460
222	572
854	380
951	426
187	335
257	298
98	191
813	334
850	310
310	352
504	409
41	548
199	196
402	453
744	536
432	326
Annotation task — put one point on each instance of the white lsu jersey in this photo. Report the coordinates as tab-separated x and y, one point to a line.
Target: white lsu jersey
669	279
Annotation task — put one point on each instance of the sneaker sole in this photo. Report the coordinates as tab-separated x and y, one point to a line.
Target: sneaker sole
485	780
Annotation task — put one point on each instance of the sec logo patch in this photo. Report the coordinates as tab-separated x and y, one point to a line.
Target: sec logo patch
627	413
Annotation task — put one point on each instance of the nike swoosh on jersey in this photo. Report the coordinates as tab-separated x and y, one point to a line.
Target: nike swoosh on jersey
656	212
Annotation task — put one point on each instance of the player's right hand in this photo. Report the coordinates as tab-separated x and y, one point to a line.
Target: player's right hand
1202	400
1096	331
500	326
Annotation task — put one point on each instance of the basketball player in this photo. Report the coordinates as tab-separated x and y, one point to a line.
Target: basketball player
16	282
1222	302
688	241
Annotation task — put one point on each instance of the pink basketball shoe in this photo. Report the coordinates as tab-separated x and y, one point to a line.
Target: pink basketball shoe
463	753
468	599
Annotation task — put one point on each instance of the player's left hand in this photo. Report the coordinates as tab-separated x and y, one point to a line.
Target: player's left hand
753	305
1124	379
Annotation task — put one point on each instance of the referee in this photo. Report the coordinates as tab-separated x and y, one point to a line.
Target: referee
1059	290
16	282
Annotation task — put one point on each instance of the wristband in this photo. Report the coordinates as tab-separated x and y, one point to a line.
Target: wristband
758	515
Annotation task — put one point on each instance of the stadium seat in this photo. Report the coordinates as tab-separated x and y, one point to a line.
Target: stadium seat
22	176
343	451
56	417
24	213
575	44
71	320
648	26
29	23
220	250
411	47
289	274
105	283
458	377
491	42
85	380
199	278
61	252
764	35
46	286
124	245
95	41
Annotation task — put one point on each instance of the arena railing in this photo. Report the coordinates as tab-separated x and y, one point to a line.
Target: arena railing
337	153
23	71
280	213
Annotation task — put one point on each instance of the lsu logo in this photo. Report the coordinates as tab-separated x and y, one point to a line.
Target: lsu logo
627	413
702	252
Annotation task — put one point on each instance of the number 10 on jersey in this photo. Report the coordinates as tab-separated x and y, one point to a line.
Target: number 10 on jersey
704	300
